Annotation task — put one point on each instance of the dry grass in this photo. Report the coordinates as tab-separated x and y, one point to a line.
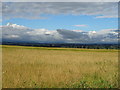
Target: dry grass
26	67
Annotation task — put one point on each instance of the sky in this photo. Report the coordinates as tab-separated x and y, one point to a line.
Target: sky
72	16
80	15
70	22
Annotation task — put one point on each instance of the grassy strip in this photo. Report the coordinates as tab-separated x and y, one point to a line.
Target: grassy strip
63	49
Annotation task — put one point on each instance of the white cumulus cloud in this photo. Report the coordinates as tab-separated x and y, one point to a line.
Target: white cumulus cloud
14	32
81	25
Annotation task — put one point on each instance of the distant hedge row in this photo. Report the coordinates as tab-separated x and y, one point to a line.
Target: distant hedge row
66	45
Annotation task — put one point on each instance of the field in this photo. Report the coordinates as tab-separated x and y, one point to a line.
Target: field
42	67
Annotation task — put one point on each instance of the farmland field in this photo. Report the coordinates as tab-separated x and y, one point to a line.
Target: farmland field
42	67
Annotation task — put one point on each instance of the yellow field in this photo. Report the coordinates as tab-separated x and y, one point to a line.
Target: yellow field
40	67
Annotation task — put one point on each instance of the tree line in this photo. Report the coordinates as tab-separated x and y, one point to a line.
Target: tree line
66	45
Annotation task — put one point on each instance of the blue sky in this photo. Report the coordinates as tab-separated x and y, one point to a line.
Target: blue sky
53	22
71	16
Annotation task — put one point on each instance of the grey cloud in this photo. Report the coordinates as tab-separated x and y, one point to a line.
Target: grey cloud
68	34
74	37
13	32
60	1
72	34
17	33
35	10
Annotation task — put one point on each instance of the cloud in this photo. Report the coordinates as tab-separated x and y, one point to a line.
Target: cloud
78	30
13	32
12	36
36	10
115	16
60	1
82	25
74	37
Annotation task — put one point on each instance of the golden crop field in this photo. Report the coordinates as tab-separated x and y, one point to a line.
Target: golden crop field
42	67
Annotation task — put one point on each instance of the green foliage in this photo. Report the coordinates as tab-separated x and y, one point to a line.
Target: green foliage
95	80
